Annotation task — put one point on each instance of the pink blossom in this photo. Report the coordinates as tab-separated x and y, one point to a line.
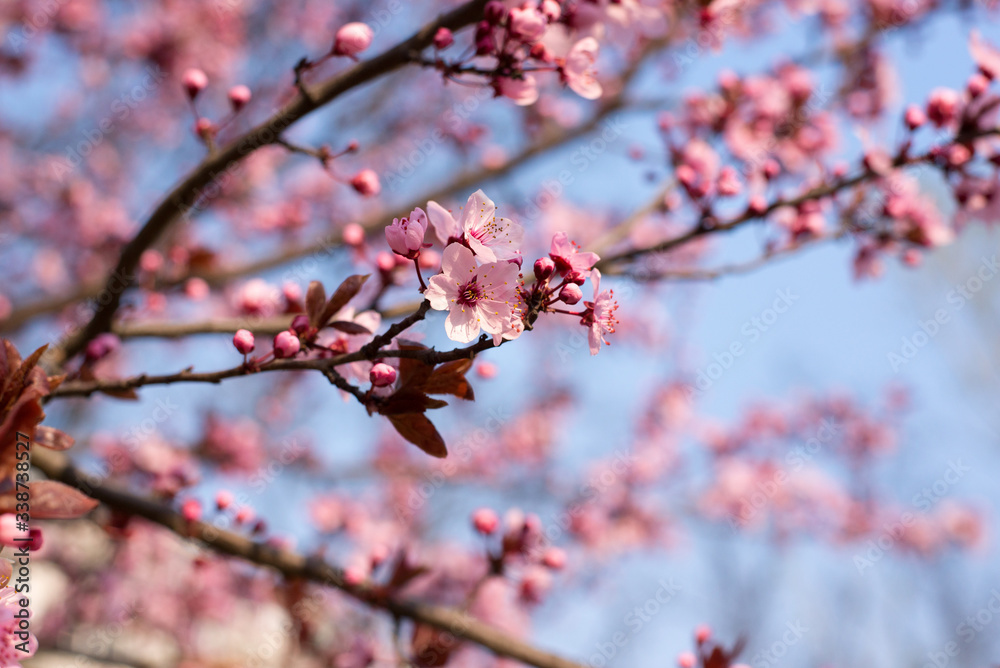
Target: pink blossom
223	499
354	234
522	90
194	81
239	97
527	23
243	340
366	183
351	39
986	56
443	38
942	106
686	660
258	297
286	344
600	315
490	238
578	70
567	256
475	297
406	235
485	521
11	630
382	375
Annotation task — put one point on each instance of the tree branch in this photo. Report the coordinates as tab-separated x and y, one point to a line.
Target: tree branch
57	466
187	193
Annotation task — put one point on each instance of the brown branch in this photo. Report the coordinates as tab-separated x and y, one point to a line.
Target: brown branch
188	192
57	466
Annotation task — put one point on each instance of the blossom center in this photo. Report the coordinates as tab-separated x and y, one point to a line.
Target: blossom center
471	293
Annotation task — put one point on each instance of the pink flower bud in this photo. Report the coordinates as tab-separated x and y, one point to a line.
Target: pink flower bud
977	85
292	292
204	128
382	375
912	257
385	262
914	117
191	510
555	558
544	267
239	96
757	205
570	294
495	12
485	521
352	39
729	182
34	539
286	344
102	346
405	236
552	10
223	499
686	660
354	576
354	234
429	259
244	515
259	527
243	340
771	168
942	106
194	81
527	23
196	288
958	155
576	277
702	633
443	38
486	370
366	183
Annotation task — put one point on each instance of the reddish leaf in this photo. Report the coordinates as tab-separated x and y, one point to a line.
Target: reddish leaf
413	373
418	430
344	293
349	327
54	439
15	383
449	378
409	401
52	500
315	303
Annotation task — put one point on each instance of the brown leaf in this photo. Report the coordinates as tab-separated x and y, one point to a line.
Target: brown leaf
417	429
413	373
315	303
409	401
54	439
15	383
52	500
449	378
345	292
349	327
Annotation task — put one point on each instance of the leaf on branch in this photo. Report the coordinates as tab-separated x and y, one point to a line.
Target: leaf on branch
421	432
349	327
53	439
344	293
449	378
52	500
315	303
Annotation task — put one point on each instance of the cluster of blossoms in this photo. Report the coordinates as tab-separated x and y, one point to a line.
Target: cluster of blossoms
481	284
523	40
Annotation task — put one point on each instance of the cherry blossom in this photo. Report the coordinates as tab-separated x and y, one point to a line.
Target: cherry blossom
489	237
600	314
578	69
476	297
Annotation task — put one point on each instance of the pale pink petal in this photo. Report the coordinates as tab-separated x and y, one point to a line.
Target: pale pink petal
462	324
